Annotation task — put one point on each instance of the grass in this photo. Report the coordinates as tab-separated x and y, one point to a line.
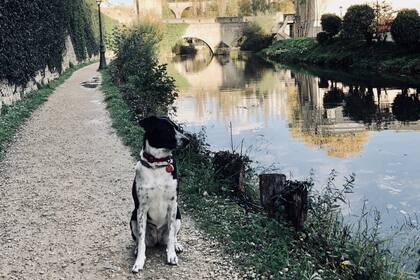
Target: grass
171	35
385	57
260	246
123	120
13	116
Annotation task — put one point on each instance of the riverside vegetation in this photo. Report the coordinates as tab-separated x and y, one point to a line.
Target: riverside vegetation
327	248
26	50
358	42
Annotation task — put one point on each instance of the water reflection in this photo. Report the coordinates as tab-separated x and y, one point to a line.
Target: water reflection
301	121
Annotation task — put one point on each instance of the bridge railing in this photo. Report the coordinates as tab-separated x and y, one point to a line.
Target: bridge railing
207	20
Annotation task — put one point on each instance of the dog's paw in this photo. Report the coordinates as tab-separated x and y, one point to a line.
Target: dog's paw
178	247
172	258
138	266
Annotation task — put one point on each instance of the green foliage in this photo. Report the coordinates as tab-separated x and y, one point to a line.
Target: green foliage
80	30
255	39
253	7
405	29
383	57
145	84
291	49
323	37
33	35
123	119
331	24
12	117
172	33
358	22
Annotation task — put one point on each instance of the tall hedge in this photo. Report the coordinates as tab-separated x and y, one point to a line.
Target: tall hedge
405	29
33	34
358	22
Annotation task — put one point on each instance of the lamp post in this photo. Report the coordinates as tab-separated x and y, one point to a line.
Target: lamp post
102	60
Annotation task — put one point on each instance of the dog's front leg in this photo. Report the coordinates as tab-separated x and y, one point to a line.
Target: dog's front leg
141	242
170	249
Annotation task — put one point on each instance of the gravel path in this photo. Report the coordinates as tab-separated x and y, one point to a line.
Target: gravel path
65	200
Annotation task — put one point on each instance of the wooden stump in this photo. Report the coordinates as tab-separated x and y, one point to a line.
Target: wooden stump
276	193
271	186
295	199
230	168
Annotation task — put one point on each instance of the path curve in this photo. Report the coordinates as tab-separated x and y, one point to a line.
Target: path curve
65	200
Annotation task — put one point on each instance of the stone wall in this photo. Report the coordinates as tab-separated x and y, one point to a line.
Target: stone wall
12	93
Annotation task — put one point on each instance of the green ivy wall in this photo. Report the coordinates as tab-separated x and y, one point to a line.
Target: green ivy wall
33	35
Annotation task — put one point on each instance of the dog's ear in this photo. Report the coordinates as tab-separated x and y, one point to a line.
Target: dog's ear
147	123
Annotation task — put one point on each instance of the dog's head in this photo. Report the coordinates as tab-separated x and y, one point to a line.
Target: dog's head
162	133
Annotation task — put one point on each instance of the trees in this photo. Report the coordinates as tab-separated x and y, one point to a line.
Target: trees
358	23
331	24
252	7
323	37
405	29
384	15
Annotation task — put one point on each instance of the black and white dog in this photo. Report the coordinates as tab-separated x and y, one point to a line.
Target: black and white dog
156	218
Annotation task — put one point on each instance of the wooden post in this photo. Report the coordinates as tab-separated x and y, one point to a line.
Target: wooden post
292	196
271	186
230	168
296	202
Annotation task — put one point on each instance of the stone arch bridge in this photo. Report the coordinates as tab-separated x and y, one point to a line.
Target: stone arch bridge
178	8
216	33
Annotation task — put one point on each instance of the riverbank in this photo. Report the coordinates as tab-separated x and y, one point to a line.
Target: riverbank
325	249
261	247
385	57
13	116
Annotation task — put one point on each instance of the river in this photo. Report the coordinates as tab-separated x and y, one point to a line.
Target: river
303	121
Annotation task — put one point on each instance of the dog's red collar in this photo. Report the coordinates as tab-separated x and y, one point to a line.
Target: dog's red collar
152	159
169	167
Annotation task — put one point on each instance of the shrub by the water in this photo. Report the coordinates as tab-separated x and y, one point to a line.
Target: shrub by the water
144	83
323	37
255	39
405	29
358	22
331	24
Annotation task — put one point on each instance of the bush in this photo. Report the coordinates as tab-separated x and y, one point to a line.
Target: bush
331	24
358	22
145	84
405	29
323	37
255	39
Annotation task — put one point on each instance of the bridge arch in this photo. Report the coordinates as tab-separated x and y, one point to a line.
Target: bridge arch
211	48
179	7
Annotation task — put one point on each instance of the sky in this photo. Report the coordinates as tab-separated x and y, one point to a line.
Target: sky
333	6
121	1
